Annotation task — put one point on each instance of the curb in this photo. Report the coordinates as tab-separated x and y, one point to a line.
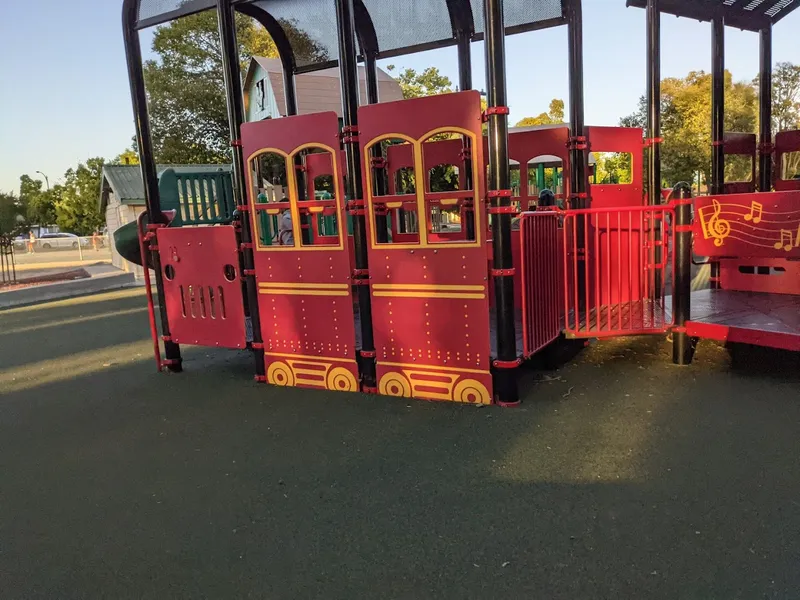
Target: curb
65	289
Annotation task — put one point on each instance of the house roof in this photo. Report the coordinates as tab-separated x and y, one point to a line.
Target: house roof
318	91
126	181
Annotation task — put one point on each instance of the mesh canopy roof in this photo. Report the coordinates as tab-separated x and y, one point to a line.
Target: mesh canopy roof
387	27
752	15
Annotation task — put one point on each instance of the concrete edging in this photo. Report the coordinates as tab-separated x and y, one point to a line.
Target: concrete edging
65	289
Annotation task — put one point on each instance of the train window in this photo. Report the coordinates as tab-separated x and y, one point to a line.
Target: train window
738	168
269	182
449	192
790	166
393	198
612	168
317	208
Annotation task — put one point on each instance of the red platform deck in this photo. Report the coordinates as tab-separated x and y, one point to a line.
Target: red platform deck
770	320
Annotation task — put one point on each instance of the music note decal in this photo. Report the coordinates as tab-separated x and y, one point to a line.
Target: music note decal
788	241
715	227
756	212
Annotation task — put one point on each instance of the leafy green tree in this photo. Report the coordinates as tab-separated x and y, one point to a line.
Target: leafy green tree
39	203
186	94
686	124
129	157
428	83
77	210
12	216
554	116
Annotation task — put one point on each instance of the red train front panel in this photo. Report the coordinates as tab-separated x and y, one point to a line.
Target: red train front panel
303	273
430	297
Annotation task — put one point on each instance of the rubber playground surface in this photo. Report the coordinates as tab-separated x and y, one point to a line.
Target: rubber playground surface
621	476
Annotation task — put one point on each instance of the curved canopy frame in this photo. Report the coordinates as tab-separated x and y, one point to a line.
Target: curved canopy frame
309	23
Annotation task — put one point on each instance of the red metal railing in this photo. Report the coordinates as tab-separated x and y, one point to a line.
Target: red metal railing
616	270
540	279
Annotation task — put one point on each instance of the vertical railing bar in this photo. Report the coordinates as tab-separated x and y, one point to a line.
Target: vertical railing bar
619	268
574	278
607	285
597	279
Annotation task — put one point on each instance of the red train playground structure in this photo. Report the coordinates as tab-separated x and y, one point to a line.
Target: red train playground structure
342	258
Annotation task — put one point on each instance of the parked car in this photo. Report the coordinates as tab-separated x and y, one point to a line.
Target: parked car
50	241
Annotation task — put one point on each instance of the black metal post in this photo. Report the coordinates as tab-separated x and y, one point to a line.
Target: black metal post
654	99
717	120
133	56
579	185
380	182
682	344
505	376
765	112
348	71
233	95
463	39
654	125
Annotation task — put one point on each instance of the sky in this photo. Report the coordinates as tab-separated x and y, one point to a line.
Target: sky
64	94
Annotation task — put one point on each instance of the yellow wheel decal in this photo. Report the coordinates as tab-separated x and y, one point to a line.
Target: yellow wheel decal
342	380
394	384
471	391
279	373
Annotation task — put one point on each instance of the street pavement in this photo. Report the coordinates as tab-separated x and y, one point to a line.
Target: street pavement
620	476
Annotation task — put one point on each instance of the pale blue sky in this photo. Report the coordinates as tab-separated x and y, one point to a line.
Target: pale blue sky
64	90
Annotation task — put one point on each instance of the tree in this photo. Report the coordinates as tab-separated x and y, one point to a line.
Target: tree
76	209
554	116
12	216
40	204
428	83
686	124
186	94
129	157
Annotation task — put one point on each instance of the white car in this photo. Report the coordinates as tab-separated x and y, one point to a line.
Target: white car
52	241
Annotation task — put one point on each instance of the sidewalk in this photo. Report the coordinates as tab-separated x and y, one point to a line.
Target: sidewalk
102	277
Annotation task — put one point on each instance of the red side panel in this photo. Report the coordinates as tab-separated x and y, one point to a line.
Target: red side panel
430	299
623	140
771	275
785	142
524	146
763	225
305	297
202	285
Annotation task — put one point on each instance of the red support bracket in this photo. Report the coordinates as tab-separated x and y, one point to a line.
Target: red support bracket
678	329
503	272
502	210
682	201
249	272
495	110
578	143
171	362
650	142
359	282
360	272
718	143
300	167
507	364
245	246
683	229
499	193
369	390
579	195
257	345
766	148
260	378
243	207
379	162
465	154
236	143
349	134
166	338
367	353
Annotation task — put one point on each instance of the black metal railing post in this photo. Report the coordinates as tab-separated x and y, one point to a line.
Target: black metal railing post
499	193
348	71
682	344
380	181
765	112
235	103
133	56
463	42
